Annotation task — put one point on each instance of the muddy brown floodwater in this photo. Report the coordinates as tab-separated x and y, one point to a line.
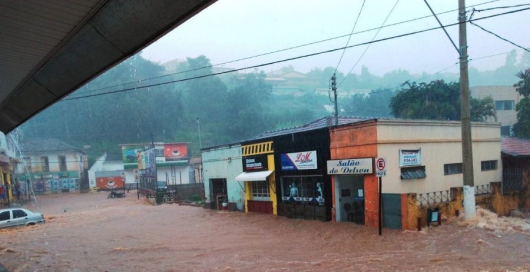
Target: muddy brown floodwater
88	232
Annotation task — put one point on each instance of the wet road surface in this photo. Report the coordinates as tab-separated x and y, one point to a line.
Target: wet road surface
89	232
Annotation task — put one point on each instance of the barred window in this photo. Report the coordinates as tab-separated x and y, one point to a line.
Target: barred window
452	168
260	189
413	172
488	165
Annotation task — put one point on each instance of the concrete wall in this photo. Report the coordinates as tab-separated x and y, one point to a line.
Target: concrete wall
497	202
440	143
181	175
187	191
224	162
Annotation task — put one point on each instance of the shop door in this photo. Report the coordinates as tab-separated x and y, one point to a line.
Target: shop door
392	211
217	191
349	202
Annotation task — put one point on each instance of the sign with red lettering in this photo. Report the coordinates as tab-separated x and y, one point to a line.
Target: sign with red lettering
380	167
299	161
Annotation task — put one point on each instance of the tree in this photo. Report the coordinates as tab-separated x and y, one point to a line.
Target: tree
437	100
482	109
522	127
245	115
375	104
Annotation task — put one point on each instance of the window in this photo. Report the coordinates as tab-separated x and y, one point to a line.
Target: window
18	214
488	165
62	163
5	216
307	189
504	105
159	151
505	130
452	168
260	189
45	164
413	172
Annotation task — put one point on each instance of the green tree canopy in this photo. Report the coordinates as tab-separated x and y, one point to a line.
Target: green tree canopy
437	100
522	127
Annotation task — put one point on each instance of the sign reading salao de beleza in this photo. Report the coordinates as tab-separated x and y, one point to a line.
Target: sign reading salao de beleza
350	167
409	157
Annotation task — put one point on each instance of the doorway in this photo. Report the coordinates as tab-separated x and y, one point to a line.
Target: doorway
349	198
217	192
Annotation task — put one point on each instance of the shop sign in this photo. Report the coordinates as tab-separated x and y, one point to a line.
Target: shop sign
175	152
299	161
255	163
409	157
350	167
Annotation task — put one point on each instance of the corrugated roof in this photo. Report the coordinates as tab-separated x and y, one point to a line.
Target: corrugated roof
319	123
515	146
45	145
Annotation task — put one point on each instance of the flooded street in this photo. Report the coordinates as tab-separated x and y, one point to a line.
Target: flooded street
89	232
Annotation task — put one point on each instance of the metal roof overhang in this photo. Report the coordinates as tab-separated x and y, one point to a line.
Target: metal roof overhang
253	176
49	49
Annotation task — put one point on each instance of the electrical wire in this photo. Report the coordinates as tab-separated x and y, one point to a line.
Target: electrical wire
280	50
366	49
503	7
294	58
506	40
351	33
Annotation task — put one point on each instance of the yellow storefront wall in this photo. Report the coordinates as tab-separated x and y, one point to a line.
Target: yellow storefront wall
257	149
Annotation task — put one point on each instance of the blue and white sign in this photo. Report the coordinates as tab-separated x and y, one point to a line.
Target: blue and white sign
299	161
409	157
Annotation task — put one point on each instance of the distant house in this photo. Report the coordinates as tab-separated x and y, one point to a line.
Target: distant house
172	162
52	165
104	165
505	99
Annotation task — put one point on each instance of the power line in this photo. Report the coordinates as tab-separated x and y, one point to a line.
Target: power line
355	24
506	40
366	49
282	50
502	7
294	58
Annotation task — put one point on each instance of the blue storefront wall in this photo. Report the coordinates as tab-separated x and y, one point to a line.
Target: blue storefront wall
223	162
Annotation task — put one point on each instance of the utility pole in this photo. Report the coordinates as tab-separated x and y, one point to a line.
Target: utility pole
467	152
199	128
334	89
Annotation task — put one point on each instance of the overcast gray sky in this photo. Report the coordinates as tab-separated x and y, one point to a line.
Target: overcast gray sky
234	29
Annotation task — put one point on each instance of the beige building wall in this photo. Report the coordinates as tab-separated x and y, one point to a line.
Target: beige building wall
440	143
500	93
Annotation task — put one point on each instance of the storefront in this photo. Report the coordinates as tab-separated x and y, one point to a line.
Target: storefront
348	180
260	182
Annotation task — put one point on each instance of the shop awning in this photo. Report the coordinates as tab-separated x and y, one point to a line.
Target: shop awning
253	176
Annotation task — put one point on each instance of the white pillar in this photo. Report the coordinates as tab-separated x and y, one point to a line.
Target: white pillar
469	202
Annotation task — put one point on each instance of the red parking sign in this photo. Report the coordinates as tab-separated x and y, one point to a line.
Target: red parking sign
380	167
